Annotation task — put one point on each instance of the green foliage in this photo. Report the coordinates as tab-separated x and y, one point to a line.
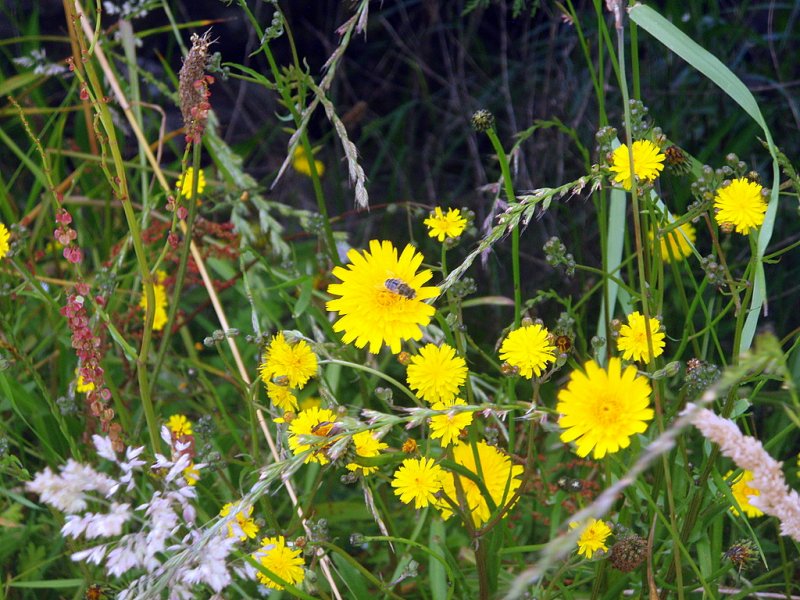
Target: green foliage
178	295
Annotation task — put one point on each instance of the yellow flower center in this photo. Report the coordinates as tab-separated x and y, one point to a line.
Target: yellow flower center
608	410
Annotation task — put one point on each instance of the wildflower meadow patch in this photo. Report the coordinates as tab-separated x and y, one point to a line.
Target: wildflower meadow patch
399	300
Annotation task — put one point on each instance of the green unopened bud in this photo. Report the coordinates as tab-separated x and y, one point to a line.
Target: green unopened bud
670	370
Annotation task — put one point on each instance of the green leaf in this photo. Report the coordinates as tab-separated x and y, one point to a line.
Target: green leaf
437	575
52	584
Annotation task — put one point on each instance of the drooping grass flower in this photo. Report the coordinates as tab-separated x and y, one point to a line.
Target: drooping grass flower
186	181
529	349
296	362
593	537
601	410
632	341
742	491
160	317
281	396
314	421
4	237
648	162
774	497
382	297
436	373
740	205
447	427
302	164
281	560
242	526
493	467
367	446
675	245
418	480
442	226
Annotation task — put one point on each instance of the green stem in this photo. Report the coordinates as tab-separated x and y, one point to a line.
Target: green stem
511	198
184	260
120	188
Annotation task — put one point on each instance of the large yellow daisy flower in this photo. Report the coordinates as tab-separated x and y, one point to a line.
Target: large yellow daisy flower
4	237
278	558
418	480
245	526
382	297
741	205
281	396
648	162
436	373
529	349
295	362
601	410
186	181
448	426
160	316
593	537
493	467
314	421
442	226
676	245
742	491
632	341
367	446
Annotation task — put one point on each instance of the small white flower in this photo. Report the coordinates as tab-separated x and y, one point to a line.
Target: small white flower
109	524
105	447
210	566
91	555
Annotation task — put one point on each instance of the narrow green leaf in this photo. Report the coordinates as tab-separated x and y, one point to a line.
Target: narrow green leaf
436	572
52	584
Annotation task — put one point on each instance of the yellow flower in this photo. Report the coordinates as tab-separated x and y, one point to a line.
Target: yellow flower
418	479
160	293
310	402
245	526
602	409
632	341
4	237
742	492
741	205
676	245
382	297
441	226
593	537
495	470
436	373
186	181
448	426
281	396
179	425
648	162
311	422
302	165
367	445
82	387
284	562
191	474
529	349
295	362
